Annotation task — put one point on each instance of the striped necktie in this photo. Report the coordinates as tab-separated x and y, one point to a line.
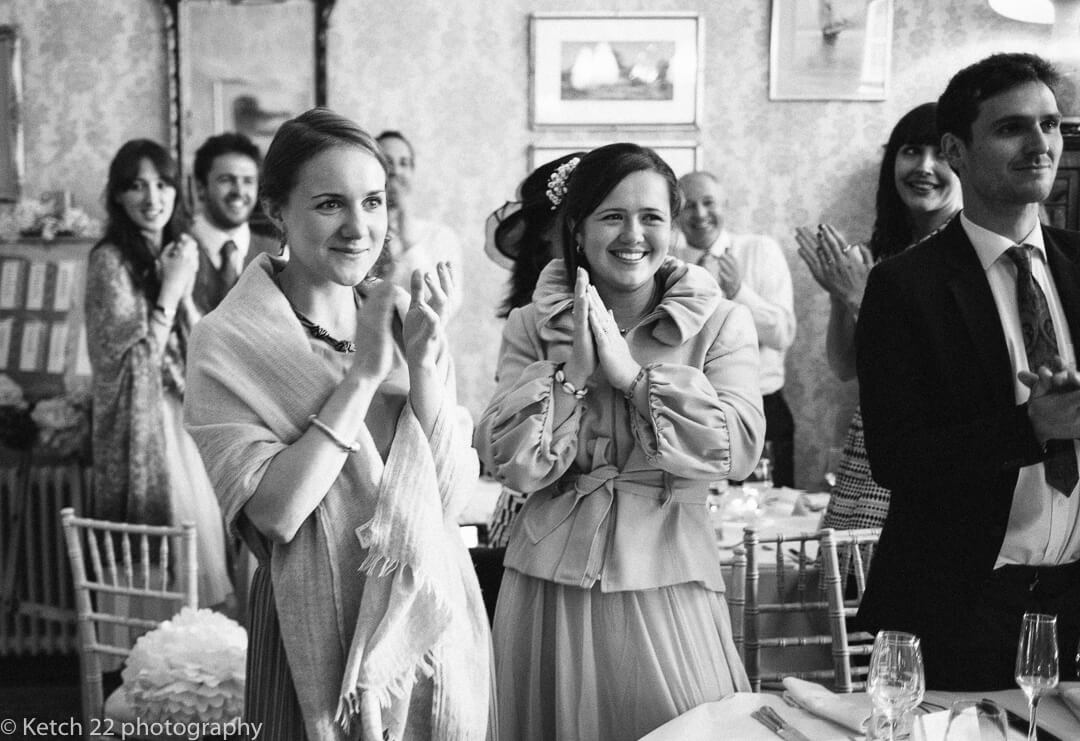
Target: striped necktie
1040	343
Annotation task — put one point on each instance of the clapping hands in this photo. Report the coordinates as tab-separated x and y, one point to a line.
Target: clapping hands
374	338
838	267
1054	403
425	320
597	340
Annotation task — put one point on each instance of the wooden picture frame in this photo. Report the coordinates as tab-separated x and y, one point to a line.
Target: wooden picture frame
625	69
11	130
244	67
683	156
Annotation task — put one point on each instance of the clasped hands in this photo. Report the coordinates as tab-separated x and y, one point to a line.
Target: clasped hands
1054	403
178	263
423	329
597	341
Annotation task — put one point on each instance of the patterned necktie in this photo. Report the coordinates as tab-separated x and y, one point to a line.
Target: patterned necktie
1040	342
227	271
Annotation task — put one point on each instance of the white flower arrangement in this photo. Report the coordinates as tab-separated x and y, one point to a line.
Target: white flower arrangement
63	424
556	184
190	669
48	219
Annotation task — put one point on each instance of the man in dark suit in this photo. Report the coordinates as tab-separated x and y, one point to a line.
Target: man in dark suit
979	452
226	184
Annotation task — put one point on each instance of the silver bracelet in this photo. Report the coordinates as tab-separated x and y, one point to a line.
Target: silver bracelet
629	393
327	430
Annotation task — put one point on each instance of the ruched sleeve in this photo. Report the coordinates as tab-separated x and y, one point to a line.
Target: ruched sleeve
516	437
705	423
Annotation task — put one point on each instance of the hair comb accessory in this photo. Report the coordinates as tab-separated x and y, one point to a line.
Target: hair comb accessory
556	184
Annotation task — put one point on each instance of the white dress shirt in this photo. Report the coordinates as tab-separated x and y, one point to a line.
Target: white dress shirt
1043	523
765	289
212	239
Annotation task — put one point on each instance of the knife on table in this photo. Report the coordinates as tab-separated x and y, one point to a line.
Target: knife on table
772	720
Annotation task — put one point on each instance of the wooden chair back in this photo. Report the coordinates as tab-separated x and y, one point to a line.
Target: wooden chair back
819	576
122	558
846	557
799	589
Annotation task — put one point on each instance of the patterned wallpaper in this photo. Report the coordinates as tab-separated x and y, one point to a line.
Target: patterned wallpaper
93	77
453	75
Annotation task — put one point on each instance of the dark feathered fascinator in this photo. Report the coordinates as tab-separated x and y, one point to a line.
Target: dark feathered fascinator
540	195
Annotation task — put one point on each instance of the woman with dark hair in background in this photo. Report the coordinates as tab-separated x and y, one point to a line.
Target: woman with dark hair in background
139	311
624	388
917	194
323	406
521	237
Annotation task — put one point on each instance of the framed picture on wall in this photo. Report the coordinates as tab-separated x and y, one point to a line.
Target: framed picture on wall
682	156
830	49
629	69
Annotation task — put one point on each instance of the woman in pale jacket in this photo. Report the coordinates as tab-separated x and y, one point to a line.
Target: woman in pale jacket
626	387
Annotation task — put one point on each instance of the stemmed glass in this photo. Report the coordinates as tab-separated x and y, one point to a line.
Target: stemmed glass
1037	661
896	683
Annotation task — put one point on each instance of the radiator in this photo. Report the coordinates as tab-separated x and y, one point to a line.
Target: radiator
36	594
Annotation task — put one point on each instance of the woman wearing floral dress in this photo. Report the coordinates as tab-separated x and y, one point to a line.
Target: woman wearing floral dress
139	311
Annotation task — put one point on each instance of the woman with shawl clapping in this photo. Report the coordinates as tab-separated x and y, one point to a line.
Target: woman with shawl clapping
323	406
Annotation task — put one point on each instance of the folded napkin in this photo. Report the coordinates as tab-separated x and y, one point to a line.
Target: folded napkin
851	711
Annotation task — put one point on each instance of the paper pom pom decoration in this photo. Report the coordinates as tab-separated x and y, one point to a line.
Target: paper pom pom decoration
189	669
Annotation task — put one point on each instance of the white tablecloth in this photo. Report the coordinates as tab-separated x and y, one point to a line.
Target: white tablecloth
730	718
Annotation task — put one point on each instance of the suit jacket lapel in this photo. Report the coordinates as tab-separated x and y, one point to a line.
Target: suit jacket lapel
1064	262
977	310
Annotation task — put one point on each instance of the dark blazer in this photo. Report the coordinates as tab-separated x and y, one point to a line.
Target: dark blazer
943	430
209	290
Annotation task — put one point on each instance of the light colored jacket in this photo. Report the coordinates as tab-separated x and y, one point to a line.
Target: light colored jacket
618	491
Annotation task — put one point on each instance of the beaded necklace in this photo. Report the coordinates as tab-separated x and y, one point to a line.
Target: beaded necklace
317	332
345	346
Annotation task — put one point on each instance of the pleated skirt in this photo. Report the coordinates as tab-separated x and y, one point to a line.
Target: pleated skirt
580	664
269	693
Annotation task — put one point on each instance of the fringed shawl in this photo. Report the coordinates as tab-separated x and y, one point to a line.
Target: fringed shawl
252	383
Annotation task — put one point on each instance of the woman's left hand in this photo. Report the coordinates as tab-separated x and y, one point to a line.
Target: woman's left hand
423	328
612	352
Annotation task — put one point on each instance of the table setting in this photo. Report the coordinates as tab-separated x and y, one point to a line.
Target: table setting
771	510
897	706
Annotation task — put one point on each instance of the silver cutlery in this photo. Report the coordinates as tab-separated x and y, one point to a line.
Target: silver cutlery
772	720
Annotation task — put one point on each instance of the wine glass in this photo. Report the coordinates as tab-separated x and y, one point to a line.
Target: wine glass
896	682
1037	661
976	719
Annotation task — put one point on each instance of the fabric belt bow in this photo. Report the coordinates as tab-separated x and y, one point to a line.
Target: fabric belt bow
589	502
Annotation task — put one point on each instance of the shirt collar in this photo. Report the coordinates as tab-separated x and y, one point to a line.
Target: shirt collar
719	246
212	238
990	246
